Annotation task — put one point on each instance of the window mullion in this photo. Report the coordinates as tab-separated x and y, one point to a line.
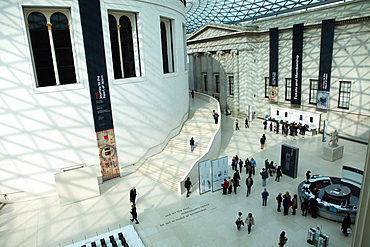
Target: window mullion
49	25
120	49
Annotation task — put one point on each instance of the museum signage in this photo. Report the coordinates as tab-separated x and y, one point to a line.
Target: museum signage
274	56
326	55
297	64
92	32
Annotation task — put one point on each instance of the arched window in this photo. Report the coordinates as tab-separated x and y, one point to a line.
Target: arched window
115	47
124	45
164	47
41	49
63	48
51	48
167	46
127	47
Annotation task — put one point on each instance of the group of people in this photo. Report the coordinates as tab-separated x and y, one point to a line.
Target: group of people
291	129
269	170
249	221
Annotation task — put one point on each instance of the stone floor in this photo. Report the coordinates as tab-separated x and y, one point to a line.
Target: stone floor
167	219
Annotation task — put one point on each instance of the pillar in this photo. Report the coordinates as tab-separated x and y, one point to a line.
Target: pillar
235	61
361	236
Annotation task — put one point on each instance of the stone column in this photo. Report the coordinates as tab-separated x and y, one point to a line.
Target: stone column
209	73
235	58
361	236
223	80
191	72
198	73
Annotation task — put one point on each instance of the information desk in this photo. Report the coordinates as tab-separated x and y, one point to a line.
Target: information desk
328	207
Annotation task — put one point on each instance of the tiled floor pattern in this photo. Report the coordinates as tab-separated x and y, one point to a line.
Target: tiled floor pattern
167	219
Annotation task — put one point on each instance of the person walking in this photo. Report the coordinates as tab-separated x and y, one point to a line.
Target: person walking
249	183
264	125
239	220
294	204
133	195
278	173
236	179
192	144
250	222
282	239
263	141
246	123
279	200
264	176
236	124
187	185
241	165
346	224
271	127
215	116
133	213
253	165
192	94
265	195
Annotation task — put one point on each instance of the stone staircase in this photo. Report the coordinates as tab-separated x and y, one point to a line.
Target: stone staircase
169	166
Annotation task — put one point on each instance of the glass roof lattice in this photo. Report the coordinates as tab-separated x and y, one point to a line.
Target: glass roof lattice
200	12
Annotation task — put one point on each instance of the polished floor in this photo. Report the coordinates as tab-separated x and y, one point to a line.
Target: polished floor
167	219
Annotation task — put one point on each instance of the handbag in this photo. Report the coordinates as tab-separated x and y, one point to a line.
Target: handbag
349	230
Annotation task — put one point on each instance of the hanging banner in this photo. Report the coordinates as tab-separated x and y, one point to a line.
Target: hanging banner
274	56
204	176
326	56
219	172
99	90
297	64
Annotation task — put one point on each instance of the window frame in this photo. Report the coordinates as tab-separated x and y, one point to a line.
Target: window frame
312	99
48	13
344	92
231	84
288	89
205	81
132	16
217	83
169	24
267	85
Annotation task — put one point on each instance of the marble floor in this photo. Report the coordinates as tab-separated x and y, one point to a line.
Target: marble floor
167	219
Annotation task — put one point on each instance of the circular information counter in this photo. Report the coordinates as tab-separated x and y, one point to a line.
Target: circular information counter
336	193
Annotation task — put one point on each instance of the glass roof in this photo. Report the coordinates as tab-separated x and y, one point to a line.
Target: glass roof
199	12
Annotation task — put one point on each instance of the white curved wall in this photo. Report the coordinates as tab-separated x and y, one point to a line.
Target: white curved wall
45	129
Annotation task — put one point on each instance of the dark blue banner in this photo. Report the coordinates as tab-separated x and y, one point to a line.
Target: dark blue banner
274	56
326	55
96	65
297	64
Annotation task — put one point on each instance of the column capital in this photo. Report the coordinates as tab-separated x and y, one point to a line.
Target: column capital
234	52
207	54
49	25
219	53
195	54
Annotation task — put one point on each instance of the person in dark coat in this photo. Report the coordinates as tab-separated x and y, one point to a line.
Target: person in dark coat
133	195
282	239
304	207
346	223
249	183
314	205
187	185
133	212
279	200
192	144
